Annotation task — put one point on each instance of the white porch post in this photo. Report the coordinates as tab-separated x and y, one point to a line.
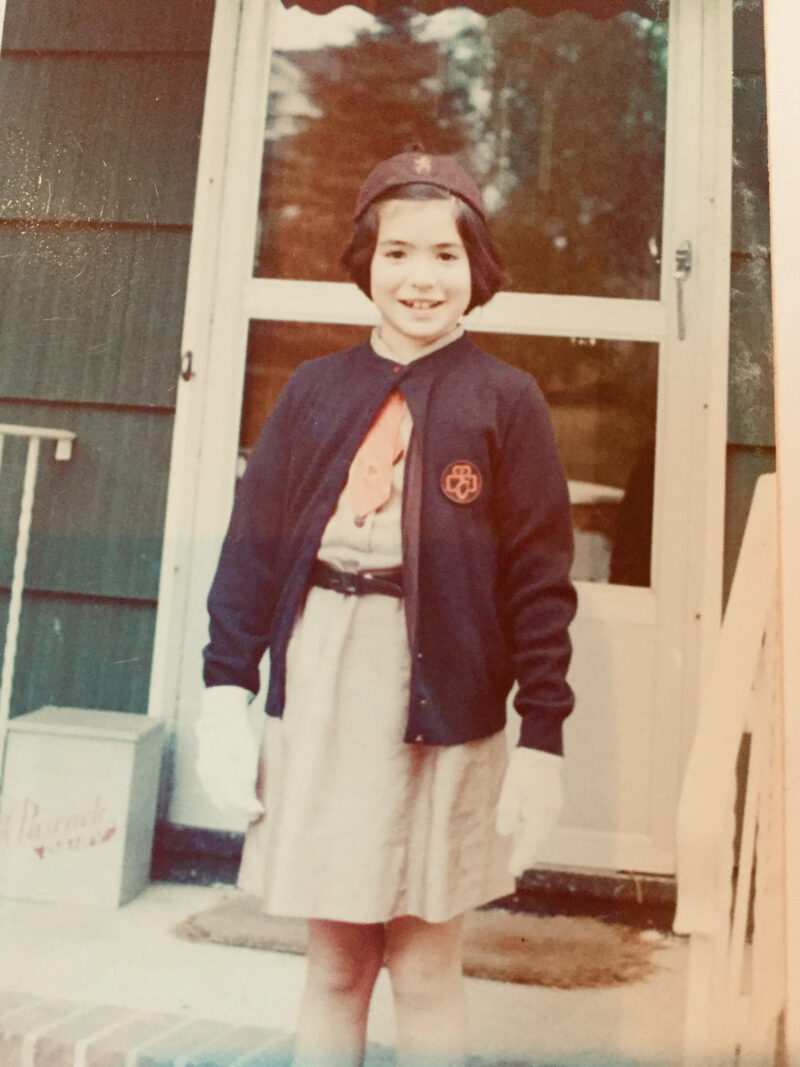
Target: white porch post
782	30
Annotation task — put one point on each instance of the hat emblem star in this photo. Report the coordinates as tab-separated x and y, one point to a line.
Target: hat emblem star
422	164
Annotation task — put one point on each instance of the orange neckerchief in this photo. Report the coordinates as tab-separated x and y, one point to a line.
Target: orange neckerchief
369	482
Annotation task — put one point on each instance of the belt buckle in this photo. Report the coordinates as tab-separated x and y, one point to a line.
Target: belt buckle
348	579
349	583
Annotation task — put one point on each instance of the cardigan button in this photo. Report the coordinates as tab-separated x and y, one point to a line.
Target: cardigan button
423	703
419	655
419	738
397	368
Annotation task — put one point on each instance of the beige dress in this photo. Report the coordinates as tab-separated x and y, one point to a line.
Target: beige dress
359	825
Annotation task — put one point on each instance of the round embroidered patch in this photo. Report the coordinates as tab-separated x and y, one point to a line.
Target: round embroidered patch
461	482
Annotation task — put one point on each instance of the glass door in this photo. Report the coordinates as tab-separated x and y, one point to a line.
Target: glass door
586	142
563	121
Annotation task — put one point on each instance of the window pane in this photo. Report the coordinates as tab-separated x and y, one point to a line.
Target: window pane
274	351
561	118
602	400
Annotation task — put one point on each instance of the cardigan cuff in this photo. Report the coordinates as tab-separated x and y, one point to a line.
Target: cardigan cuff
543	730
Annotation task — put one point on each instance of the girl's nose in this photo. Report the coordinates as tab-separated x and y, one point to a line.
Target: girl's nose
422	274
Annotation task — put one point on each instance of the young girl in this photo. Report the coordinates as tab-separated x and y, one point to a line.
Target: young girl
401	542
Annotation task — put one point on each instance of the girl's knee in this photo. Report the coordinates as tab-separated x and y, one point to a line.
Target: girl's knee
423	988
424	962
343	958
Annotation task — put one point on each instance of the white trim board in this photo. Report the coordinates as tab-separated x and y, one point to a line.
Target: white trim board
191	395
782	32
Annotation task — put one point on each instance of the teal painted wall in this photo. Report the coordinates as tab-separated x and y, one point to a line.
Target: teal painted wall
99	130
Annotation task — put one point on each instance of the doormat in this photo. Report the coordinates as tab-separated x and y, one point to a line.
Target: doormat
562	952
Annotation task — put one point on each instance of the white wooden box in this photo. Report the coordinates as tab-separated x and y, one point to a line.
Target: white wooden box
78	805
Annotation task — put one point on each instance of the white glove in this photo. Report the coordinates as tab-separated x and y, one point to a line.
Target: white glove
227	754
530	803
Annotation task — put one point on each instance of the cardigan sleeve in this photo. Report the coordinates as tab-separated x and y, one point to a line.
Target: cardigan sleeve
536	544
246	586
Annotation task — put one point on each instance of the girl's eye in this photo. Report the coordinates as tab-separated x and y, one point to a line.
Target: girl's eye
395	253
448	257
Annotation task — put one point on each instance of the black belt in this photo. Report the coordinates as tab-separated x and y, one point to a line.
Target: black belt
387	580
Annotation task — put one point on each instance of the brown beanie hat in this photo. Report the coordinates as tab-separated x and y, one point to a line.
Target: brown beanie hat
411	167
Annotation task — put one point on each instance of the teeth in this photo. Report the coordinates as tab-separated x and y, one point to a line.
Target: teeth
421	305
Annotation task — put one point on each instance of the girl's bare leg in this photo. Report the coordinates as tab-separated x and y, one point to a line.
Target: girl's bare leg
424	963
343	963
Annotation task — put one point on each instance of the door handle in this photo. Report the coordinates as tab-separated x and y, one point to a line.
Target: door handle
187	368
683	268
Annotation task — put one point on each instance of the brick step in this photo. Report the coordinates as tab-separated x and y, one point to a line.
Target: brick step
46	1032
42	1032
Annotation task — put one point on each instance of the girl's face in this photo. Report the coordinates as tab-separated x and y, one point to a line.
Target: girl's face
420	276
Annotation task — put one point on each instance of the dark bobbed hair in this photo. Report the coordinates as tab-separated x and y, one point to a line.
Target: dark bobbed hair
486	268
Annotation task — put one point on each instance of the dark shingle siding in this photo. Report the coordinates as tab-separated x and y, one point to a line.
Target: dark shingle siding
100	133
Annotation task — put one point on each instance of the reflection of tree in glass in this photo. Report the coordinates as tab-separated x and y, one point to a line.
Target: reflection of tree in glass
367	101
578	124
602	398
562	118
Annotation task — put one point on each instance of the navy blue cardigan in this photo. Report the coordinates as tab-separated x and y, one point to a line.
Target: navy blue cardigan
488	595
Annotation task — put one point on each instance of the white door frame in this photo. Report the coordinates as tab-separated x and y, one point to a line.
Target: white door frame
222	296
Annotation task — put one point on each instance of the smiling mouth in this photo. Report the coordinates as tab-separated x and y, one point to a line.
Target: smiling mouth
421	305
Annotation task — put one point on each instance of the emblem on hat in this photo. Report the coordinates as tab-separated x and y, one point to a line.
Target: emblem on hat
422	164
461	481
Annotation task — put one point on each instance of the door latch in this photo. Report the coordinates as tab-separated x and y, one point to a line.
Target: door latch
187	369
683	268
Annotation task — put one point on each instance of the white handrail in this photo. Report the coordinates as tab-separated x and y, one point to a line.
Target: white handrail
725	1014
64	440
